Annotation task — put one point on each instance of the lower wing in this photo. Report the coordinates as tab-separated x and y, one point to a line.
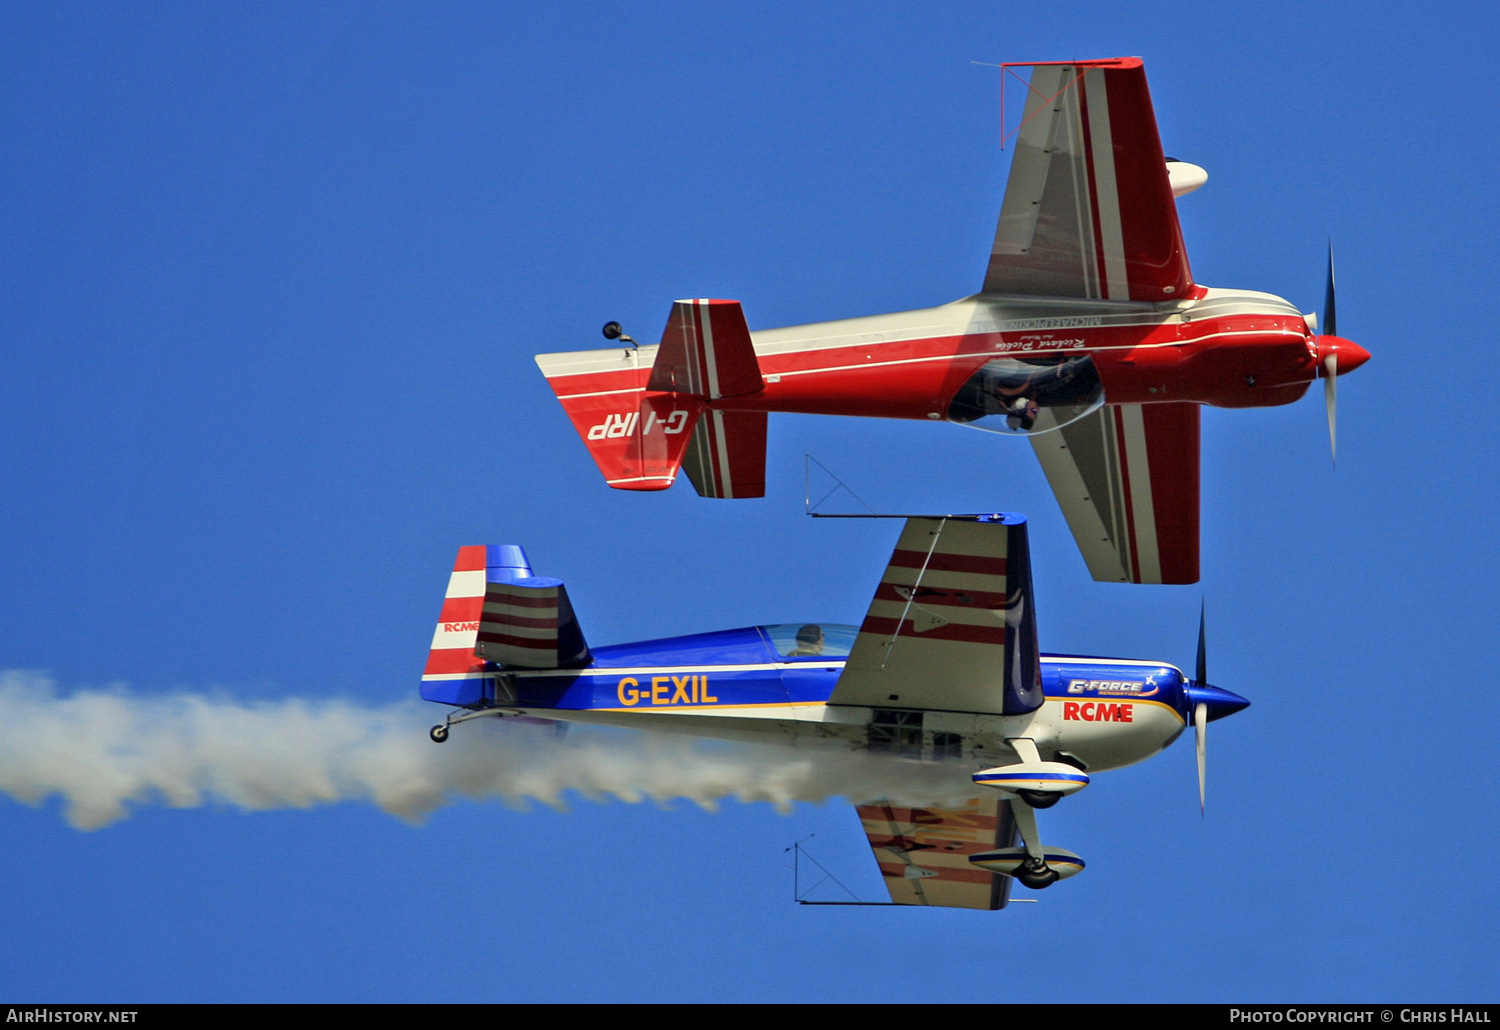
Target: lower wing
923	853
1126	478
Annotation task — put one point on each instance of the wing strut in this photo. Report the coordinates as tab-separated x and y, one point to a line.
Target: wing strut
912	596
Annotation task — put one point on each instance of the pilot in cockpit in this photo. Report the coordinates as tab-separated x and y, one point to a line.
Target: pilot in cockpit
809	641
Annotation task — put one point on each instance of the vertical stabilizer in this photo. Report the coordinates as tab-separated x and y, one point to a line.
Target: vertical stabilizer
497	611
637	420
454	674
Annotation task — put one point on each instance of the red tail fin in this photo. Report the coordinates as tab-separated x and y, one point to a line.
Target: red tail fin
637	424
453	674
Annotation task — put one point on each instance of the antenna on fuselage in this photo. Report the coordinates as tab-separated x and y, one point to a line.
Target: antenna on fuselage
809	507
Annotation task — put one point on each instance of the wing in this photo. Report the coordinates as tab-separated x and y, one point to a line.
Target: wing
951	626
923	853
1088	209
1126	478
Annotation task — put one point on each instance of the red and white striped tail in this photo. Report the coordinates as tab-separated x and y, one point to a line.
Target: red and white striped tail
454	674
496	612
529	623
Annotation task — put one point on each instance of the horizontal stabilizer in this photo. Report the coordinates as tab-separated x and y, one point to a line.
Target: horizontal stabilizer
636	438
727	455
637	422
528	622
706	352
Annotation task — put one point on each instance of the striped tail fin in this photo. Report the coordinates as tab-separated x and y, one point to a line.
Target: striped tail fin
454	674
497	611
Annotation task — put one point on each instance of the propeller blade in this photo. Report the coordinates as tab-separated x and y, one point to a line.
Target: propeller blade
1331	400
1200	710
1200	726
1330	323
1331	362
1201	674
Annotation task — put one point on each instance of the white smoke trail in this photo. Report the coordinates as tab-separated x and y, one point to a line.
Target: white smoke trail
103	752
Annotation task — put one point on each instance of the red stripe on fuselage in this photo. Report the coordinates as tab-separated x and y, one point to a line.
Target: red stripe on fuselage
1140	364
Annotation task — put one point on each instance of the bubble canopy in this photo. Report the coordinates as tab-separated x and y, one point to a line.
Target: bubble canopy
811	639
1028	395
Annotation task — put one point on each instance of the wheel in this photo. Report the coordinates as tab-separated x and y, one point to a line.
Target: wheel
1039	798
612	330
439	734
1037	878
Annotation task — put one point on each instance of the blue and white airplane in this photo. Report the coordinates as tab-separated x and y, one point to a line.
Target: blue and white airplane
944	668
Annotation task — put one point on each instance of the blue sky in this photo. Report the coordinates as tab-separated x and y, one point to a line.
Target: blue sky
273	278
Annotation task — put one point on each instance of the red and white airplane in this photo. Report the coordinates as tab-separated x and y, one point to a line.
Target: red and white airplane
1089	335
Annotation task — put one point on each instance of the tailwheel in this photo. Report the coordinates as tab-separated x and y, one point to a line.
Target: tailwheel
1036	874
438	734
